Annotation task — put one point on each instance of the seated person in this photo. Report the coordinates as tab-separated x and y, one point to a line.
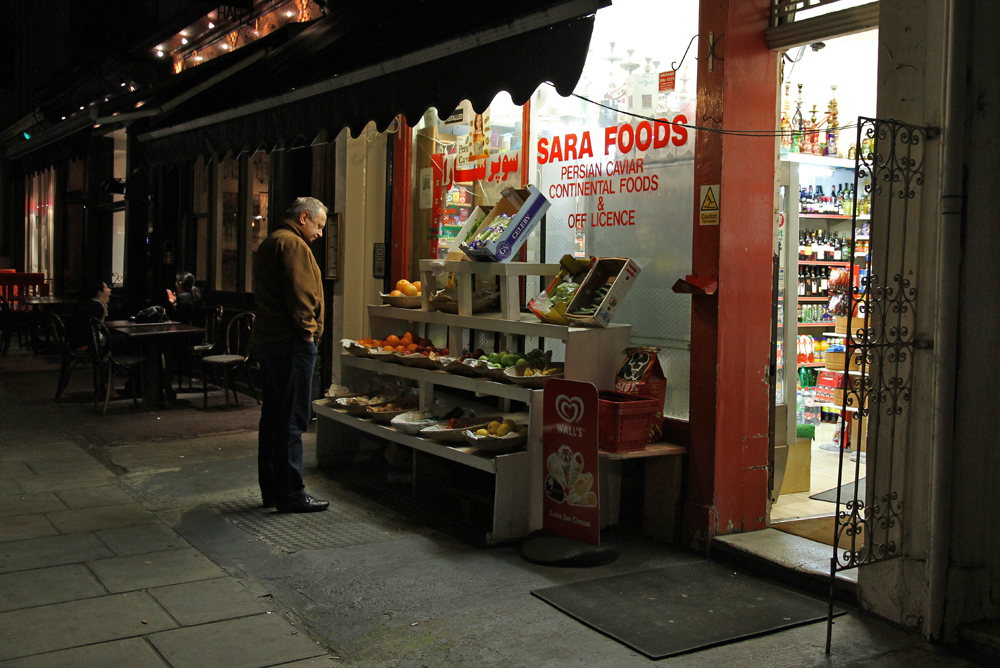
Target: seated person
186	304
97	305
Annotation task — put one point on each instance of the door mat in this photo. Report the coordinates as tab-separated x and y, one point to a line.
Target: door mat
669	611
821	530
846	494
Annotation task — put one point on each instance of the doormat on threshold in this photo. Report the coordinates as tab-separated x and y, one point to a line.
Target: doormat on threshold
846	494
821	530
669	611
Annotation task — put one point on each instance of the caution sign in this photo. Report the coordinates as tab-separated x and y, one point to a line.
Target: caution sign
710	208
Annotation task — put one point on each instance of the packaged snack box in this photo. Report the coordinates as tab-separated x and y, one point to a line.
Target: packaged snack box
641	374
469	230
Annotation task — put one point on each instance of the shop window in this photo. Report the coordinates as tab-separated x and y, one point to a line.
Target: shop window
260	170
460	162
201	187
618	167
118	211
229	238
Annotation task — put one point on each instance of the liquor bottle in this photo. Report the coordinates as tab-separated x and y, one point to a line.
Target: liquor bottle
802	284
824	284
838	249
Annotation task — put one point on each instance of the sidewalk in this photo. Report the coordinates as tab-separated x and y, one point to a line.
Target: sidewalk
153	553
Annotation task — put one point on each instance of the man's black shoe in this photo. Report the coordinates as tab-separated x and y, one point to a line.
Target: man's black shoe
306	504
268	504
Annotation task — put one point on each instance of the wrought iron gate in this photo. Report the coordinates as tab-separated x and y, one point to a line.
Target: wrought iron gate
879	344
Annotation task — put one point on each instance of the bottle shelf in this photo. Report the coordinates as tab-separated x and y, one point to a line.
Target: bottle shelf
813	299
824	263
811	364
816	324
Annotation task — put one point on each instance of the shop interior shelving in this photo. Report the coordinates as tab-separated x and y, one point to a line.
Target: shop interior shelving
591	354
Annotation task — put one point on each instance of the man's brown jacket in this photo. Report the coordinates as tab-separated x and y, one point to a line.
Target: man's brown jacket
288	287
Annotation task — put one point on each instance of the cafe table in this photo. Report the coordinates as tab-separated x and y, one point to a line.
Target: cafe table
156	340
36	303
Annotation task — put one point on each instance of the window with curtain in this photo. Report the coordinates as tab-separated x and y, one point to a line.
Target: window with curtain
40	193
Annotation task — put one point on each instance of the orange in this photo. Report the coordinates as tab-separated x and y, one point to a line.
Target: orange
400	349
388	348
392	340
411	347
410	290
395	293
416	284
400	283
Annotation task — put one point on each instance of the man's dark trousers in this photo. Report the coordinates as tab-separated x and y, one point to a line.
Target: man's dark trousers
287	369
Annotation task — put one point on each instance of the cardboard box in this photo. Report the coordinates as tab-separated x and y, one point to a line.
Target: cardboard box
797	467
455	250
618	272
570	268
526	208
841	325
837	361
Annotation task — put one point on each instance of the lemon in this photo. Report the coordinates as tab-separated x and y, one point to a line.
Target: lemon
493	426
528	373
503	430
482	432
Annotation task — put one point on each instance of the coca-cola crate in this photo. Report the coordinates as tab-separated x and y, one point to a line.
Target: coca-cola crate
623	421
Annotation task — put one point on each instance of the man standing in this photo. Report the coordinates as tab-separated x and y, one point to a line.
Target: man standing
288	289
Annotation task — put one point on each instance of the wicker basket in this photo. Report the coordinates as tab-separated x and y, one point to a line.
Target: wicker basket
442	434
383	355
515	374
496	444
402	302
356	348
480	302
459	367
417	360
385	417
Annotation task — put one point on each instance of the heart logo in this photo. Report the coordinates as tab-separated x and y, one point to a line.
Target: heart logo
569	409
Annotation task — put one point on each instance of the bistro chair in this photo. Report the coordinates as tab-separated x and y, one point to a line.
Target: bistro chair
6	326
69	355
111	366
194	354
236	354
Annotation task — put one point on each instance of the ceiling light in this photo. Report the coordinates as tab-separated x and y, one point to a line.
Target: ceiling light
223	46
184	40
289	13
159	54
210	25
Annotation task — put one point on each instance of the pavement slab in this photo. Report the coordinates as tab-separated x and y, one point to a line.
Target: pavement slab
250	642
9	487
90	497
155	569
141	538
44	586
104	517
129	653
94	620
51	551
82	461
74	479
208	601
16	470
23	527
30	504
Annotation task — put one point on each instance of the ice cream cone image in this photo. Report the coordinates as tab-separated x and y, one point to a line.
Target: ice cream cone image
576	468
555	467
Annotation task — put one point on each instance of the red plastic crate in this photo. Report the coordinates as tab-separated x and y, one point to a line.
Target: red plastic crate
623	421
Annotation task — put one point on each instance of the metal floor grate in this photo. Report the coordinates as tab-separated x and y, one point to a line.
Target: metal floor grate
307	531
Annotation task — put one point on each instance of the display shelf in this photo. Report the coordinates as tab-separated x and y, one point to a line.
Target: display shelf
480	386
509	273
813	299
816	324
661	449
463	455
821	160
811	364
826	216
825	263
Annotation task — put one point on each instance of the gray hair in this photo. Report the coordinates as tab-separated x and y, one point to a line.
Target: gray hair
309	205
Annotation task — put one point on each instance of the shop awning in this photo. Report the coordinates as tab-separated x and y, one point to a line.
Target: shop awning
357	65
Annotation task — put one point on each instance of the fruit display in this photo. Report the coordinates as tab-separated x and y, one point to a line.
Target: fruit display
503	359
501	429
408	343
405	288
